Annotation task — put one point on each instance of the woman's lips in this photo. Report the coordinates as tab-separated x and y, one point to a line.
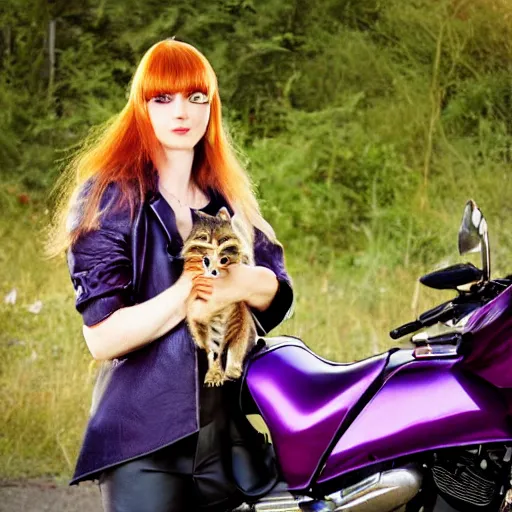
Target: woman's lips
181	131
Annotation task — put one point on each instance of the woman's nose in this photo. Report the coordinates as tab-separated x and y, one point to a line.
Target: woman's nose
179	106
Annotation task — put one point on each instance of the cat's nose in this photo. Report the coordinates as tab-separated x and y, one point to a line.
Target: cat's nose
215	273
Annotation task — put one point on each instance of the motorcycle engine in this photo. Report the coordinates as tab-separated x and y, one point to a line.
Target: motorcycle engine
473	479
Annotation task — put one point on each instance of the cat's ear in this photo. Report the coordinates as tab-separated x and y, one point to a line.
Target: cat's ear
202	215
223	214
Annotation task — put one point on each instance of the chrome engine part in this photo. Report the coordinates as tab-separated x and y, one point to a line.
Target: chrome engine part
388	491
473	477
382	492
506	505
285	501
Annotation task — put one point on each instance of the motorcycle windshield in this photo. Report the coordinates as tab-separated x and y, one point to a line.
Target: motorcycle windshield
490	332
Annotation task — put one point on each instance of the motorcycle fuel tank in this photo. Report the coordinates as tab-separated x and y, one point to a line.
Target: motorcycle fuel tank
422	406
303	399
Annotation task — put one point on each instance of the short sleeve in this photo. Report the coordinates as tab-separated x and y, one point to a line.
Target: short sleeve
271	255
100	268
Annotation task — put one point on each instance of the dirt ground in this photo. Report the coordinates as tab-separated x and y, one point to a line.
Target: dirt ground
48	496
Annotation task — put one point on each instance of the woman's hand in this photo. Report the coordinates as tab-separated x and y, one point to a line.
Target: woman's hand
254	285
212	294
192	269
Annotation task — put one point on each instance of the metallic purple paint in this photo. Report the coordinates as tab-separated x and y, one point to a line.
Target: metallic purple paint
423	406
303	400
490	331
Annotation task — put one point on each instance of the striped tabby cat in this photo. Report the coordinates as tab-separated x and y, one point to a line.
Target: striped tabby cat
217	242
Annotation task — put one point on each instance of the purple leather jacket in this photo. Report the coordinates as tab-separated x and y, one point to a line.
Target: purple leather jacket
148	398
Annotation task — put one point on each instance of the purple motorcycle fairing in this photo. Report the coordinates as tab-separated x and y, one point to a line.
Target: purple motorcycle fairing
304	399
490	332
423	406
381	414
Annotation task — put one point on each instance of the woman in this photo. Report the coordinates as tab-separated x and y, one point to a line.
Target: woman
157	439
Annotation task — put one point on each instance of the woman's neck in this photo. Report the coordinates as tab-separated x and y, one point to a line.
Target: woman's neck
175	177
175	170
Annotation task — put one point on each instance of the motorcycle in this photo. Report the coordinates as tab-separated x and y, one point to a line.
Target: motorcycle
420	429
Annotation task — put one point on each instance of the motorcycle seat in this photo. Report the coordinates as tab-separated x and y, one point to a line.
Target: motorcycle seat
304	398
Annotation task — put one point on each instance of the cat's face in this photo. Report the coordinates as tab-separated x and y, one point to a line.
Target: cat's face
215	242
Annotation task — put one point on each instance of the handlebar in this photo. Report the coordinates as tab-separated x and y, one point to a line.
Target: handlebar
458	307
405	329
440	313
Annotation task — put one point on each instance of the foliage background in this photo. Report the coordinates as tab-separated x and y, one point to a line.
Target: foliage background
365	126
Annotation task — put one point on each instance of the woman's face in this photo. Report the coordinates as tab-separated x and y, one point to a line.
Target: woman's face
179	120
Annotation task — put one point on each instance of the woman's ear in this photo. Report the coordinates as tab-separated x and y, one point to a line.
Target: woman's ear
223	214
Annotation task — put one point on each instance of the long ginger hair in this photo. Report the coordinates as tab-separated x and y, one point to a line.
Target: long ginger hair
124	149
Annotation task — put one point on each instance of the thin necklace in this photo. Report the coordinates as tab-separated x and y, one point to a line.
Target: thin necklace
175	197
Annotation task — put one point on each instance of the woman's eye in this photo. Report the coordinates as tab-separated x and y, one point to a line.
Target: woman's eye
198	97
162	98
224	239
203	237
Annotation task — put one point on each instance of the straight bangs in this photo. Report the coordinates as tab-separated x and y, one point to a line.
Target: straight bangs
172	67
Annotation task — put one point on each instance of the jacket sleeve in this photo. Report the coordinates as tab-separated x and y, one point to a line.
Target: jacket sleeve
100	267
270	255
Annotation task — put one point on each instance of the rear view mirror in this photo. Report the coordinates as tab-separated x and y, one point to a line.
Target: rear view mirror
473	236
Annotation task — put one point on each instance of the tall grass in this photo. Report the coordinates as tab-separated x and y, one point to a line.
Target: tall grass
45	373
343	312
367	129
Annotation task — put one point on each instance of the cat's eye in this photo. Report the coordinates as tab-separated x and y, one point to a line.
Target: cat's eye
206	261
203	237
224	260
224	239
198	97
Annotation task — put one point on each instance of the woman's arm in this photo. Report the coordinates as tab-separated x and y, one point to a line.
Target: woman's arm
262	287
132	327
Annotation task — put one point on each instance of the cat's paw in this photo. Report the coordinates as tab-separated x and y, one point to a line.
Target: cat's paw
233	372
214	377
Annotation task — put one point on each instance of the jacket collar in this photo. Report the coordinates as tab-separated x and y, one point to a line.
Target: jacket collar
164	213
167	219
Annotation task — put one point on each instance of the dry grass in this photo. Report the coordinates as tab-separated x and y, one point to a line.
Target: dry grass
46	375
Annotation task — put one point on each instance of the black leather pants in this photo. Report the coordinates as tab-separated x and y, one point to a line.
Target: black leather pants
186	476
190	475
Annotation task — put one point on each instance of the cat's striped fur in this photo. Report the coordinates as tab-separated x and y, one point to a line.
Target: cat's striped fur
217	242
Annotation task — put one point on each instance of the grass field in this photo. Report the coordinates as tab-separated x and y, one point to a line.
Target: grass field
46	372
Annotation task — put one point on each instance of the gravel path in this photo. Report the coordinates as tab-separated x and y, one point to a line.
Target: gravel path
45	495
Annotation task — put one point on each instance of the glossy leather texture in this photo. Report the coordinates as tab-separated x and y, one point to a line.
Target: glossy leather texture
303	400
423	406
148	398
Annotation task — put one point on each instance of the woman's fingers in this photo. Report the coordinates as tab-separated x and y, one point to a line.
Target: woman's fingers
202	286
202	281
192	266
199	282
205	295
203	292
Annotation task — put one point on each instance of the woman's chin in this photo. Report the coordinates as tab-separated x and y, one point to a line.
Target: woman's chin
178	146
